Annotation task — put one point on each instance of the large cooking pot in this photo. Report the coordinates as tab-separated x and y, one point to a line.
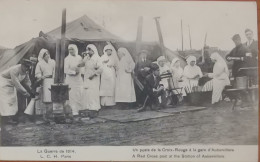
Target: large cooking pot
241	82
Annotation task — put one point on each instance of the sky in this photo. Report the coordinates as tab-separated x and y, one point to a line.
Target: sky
22	20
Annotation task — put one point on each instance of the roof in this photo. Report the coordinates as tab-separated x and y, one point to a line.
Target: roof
2	47
86	29
28	49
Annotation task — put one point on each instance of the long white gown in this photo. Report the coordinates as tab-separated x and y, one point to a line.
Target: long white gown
220	77
108	80
74	81
125	91
91	97
44	68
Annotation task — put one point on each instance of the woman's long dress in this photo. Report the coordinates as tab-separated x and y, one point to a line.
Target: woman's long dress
91	93
108	81
125	91
220	77
74	81
46	69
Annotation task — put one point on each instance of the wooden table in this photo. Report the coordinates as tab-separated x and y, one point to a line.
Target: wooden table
234	94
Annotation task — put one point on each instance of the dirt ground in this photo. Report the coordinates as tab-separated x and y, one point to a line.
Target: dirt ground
214	125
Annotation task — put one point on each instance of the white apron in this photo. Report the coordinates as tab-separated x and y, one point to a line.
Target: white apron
75	92
8	97
46	86
91	93
108	83
75	83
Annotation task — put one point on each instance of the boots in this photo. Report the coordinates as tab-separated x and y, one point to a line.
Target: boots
141	109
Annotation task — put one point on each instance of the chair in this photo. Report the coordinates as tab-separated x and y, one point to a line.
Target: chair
173	88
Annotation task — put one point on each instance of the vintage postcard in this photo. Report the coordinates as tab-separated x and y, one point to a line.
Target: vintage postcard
114	80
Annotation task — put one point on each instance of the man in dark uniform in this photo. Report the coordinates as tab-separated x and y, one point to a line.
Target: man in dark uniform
238	55
242	59
142	69
153	90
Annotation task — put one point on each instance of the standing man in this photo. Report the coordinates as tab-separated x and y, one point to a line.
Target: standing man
142	69
12	80
238	56
252	46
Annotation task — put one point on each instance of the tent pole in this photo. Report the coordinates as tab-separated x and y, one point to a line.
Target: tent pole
160	36
137	50
190	38
205	44
181	36
139	37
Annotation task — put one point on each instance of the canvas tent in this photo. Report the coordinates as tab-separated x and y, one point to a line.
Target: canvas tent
84	29
2	47
26	50
81	32
2	50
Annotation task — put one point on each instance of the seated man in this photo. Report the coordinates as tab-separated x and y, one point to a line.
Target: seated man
153	90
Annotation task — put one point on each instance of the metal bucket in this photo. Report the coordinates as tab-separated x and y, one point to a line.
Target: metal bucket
30	108
241	82
194	98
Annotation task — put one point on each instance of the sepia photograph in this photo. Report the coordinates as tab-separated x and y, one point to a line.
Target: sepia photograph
128	73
